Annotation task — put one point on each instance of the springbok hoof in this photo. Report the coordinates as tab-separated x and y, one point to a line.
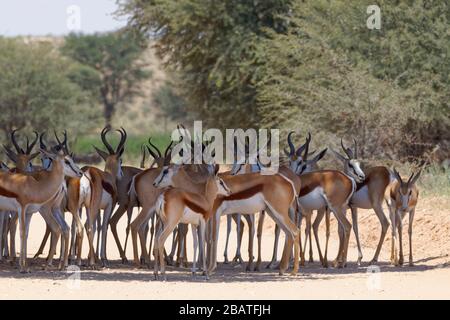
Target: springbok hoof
105	263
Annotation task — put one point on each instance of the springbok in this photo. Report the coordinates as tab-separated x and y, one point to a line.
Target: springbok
101	190
401	198
181	206
145	194
328	190
22	158
24	193
369	194
299	163
51	212
254	192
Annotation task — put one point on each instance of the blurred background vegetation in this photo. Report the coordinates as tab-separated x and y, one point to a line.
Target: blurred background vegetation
303	65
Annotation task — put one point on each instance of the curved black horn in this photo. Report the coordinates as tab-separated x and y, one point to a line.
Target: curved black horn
154	147
345	149
397	175
105	142
41	141
123	139
14	142
30	147
304	147
291	145
169	147
142	166
410	178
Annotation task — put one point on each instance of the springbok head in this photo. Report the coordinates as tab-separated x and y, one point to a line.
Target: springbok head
59	154
298	159
113	158
60	145
405	190
352	166
22	157
158	158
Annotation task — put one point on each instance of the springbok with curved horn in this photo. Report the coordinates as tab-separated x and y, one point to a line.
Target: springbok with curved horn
176	206
327	190
401	198
127	203
22	158
101	190
24	193
369	193
299	162
143	192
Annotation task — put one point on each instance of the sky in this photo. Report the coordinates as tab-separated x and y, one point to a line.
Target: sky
57	17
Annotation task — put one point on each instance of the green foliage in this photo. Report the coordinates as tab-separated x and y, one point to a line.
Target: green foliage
170	102
35	89
213	46
332	75
132	156
110	66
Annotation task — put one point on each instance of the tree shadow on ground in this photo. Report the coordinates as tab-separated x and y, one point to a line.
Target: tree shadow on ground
225	273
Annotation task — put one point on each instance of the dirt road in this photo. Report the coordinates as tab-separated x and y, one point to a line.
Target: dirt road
428	279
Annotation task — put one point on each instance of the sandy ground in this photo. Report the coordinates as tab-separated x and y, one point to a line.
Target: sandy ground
428	279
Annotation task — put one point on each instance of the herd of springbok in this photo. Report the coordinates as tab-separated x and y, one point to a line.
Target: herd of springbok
172	196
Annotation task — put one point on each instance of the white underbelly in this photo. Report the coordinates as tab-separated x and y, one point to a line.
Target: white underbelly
313	200
360	198
245	206
190	217
85	191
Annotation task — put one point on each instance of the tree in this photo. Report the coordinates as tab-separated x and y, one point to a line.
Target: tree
35	90
213	46
112	69
331	74
171	104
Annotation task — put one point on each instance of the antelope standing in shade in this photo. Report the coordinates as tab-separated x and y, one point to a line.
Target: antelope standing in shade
369	194
300	164
143	192
251	193
24	193
102	192
181	206
401	198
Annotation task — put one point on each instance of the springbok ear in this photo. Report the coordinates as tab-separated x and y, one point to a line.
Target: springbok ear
10	154
101	153
48	154
34	155
320	155
397	176
338	155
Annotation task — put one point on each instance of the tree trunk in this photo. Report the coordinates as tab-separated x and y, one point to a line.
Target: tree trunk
108	113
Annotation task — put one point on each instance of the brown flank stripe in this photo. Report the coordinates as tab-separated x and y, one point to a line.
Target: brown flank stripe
194	207
108	187
7	194
244	194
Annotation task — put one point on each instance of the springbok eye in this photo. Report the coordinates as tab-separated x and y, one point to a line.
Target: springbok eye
166	171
